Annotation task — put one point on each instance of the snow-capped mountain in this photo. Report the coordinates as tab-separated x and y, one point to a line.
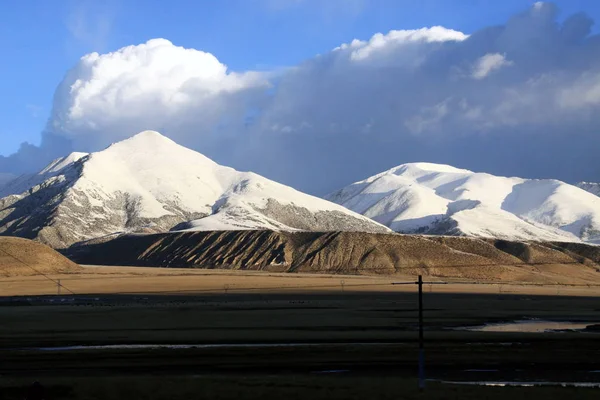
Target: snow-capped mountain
440	199
149	183
591	187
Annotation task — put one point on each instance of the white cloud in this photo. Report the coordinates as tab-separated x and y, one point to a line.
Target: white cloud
489	63
583	93
380	42
155	84
428	118
532	108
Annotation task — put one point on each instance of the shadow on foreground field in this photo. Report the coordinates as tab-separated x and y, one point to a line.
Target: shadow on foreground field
263	317
373	335
289	387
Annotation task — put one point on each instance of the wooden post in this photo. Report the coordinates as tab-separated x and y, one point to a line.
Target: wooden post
421	341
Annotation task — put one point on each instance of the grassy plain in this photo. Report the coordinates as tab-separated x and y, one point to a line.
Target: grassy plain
358	336
146	280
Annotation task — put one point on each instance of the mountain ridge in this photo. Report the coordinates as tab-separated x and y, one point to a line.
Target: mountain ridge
149	183
352	253
441	199
592	187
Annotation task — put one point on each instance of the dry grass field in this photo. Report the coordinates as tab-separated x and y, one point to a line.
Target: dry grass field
351	336
146	280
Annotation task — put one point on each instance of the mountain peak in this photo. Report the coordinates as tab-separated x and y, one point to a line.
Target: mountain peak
150	150
432	167
149	183
148	138
149	135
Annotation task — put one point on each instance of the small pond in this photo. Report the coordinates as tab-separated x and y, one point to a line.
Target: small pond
533	326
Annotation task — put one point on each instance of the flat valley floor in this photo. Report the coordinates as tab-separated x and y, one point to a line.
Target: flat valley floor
227	334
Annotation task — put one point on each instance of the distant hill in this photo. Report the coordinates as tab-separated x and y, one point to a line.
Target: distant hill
352	253
22	257
440	199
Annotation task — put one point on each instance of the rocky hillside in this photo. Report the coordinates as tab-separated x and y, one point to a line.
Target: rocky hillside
351	253
149	183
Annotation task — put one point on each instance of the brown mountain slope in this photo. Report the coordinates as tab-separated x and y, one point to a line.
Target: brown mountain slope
351	253
23	257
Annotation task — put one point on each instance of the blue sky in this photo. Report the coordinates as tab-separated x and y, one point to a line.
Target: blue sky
42	39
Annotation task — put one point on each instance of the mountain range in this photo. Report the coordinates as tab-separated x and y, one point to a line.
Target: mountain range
440	199
148	183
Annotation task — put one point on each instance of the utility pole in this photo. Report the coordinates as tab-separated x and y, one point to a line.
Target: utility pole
421	341
420	283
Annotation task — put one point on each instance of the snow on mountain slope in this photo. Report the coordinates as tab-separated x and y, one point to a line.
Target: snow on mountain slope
440	199
26	182
591	187
150	183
